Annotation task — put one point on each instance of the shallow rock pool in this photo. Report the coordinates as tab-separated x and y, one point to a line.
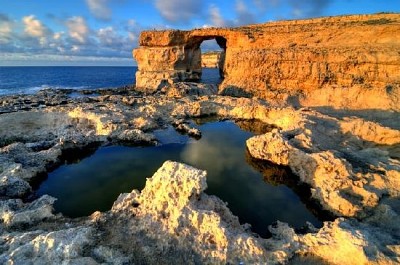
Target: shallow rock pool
256	192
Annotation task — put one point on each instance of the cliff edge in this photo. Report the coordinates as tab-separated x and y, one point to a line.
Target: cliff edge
343	62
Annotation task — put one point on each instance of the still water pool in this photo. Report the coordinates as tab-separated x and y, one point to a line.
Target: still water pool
255	191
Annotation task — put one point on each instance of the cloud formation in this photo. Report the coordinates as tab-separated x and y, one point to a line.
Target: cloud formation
78	29
308	8
75	32
175	11
99	9
247	12
31	38
5	29
244	16
216	18
298	9
33	27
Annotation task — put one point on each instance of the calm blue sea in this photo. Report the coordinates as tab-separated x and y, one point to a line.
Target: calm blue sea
28	80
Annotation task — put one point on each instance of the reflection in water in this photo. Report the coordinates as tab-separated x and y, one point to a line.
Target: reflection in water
255	126
279	175
95	182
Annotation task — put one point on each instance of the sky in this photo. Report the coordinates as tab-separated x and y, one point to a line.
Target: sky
104	32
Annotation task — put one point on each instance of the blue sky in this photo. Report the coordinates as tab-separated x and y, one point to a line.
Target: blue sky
104	32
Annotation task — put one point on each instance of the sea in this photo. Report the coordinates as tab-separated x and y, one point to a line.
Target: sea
30	79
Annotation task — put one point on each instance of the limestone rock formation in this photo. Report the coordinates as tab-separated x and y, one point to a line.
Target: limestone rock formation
65	246
345	62
349	159
338	159
173	203
211	59
183	89
14	212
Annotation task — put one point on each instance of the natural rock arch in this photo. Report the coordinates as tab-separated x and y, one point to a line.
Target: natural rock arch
193	54
172	60
311	62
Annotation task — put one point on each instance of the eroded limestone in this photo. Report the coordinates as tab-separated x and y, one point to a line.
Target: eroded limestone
349	159
343	62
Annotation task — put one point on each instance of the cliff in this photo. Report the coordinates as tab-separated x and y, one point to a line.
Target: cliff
211	59
346	62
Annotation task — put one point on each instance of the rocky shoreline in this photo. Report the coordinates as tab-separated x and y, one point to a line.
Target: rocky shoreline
349	159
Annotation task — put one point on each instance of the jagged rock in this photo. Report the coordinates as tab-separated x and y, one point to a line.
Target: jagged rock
181	89
13	187
38	247
349	158
24	163
183	127
315	62
333	157
14	212
110	256
176	212
134	136
357	243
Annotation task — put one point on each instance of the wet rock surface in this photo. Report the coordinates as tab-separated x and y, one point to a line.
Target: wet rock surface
349	160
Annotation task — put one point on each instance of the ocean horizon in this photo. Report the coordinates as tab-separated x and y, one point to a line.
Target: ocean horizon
16	80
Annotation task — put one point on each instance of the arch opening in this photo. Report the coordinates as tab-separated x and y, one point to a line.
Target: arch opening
205	58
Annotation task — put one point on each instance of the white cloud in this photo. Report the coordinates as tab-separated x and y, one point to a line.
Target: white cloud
30	36
58	35
244	16
132	23
297	12
33	27
298	9
132	36
99	8
107	36
74	48
5	29
240	6
78	29
133	29
178	10
56	59
308	8
43	41
215	16
209	45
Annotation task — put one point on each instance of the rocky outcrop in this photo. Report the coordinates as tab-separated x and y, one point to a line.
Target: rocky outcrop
338	160
173	203
348	159
344	62
66	246
14	212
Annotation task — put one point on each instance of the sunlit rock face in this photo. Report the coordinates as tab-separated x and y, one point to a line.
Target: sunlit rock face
351	163
166	57
211	59
345	62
